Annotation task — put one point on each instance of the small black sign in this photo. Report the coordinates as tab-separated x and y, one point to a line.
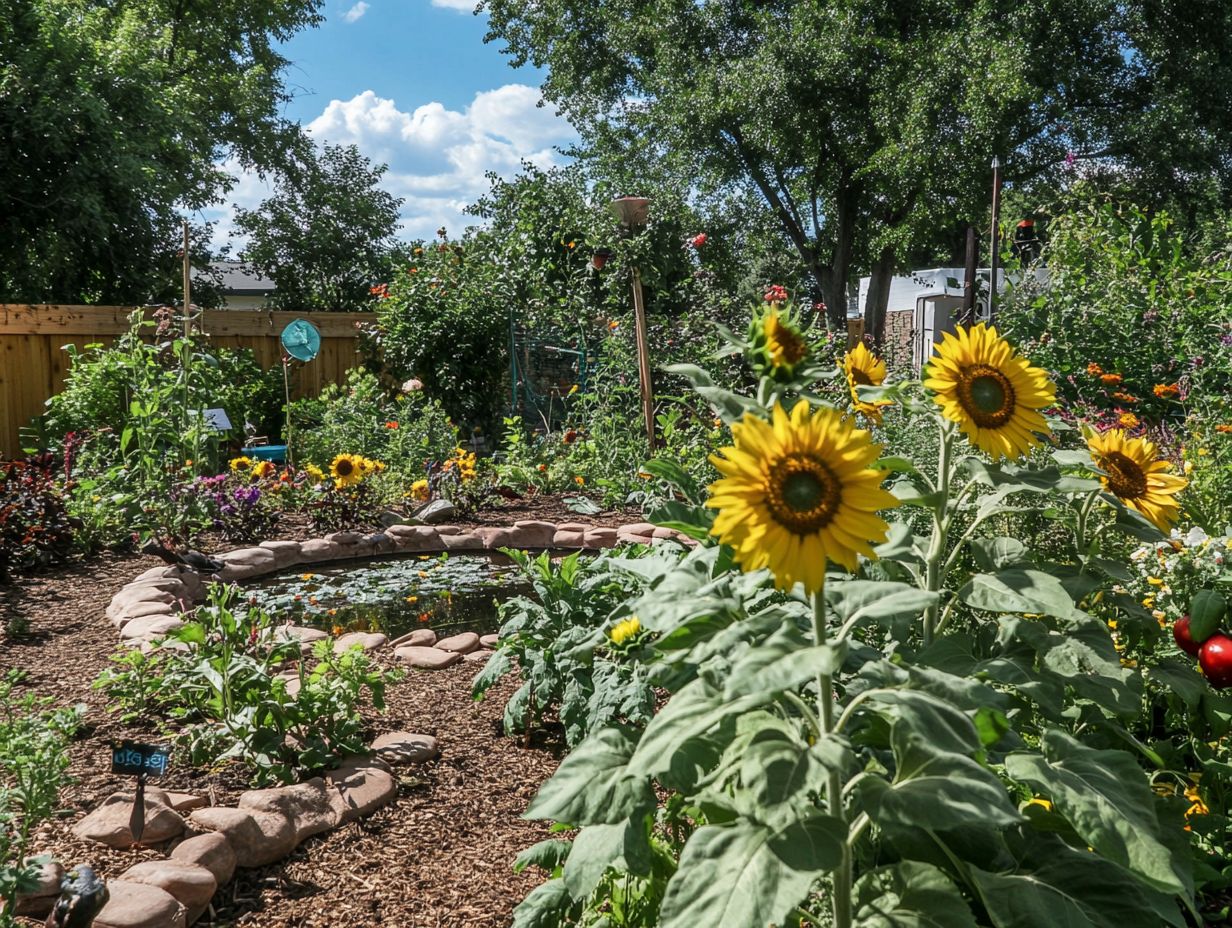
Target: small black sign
133	759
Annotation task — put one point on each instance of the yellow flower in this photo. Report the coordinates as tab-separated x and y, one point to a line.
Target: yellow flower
1154	581
346	469
865	370
580	480
992	393
1198	807
623	631
1040	801
315	472
797	492
1127	420
1134	473
263	469
306	576
573	389
784	343
419	490
241	463
412	599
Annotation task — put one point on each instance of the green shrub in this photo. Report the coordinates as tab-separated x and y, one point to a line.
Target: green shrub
405	431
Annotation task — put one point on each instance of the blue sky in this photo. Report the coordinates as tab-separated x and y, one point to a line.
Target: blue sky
413	84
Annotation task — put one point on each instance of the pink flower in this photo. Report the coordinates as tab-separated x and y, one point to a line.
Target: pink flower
414	385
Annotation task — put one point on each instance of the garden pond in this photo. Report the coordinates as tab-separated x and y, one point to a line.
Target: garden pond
446	594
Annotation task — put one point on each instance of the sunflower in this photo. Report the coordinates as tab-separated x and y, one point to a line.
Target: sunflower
314	472
784	344
419	490
797	492
993	394
623	631
241	464
346	469
1134	473
864	370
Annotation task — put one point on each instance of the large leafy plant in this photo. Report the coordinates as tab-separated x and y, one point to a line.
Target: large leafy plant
929	727
555	641
221	696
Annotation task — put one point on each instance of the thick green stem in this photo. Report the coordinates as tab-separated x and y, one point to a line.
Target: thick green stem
834	782
934	574
1084	513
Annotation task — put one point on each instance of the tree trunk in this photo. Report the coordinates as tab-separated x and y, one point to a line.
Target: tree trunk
879	298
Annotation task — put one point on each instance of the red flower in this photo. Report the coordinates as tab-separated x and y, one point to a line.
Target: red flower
391	424
570	436
775	293
698	240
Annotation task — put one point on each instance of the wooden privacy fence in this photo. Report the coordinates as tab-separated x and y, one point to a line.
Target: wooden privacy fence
33	364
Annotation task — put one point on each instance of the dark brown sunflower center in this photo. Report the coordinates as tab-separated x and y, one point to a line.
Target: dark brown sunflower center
986	395
860	378
804	494
788	347
344	468
1126	477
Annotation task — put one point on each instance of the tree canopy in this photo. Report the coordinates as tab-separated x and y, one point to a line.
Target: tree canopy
117	114
326	235
868	127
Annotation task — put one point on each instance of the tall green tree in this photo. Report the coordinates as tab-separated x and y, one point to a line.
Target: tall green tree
325	237
868	126
115	116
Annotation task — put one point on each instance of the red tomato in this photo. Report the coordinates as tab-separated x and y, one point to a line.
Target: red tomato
1182	637
1215	658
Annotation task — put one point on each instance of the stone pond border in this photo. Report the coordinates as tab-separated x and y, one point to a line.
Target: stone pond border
150	606
209	842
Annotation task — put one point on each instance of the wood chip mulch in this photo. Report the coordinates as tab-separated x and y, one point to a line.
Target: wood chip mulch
438	857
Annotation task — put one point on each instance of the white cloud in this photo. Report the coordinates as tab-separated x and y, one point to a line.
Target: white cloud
437	157
462	6
355	12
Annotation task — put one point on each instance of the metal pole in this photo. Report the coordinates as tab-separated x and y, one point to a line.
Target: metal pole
286	387
187	285
995	237
968	310
643	358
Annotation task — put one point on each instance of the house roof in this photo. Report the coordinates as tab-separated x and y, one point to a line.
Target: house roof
241	279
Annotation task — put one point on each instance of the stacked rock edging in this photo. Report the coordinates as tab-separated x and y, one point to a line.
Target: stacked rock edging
151	605
205	848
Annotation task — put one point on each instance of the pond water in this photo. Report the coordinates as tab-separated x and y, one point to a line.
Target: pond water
443	593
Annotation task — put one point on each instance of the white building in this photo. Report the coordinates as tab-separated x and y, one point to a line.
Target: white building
933	299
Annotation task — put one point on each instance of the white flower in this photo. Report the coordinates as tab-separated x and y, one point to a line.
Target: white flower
1196	537
412	386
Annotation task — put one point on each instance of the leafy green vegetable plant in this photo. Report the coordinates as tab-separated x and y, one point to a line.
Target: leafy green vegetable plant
34	761
222	697
556	643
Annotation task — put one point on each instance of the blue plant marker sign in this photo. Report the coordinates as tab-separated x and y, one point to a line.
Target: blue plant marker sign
130	758
142	760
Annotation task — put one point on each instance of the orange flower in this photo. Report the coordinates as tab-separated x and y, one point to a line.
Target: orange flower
1127	420
1094	369
613	324
425	616
542	468
1125	397
1166	390
580	480
1224	429
1111	380
391	424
